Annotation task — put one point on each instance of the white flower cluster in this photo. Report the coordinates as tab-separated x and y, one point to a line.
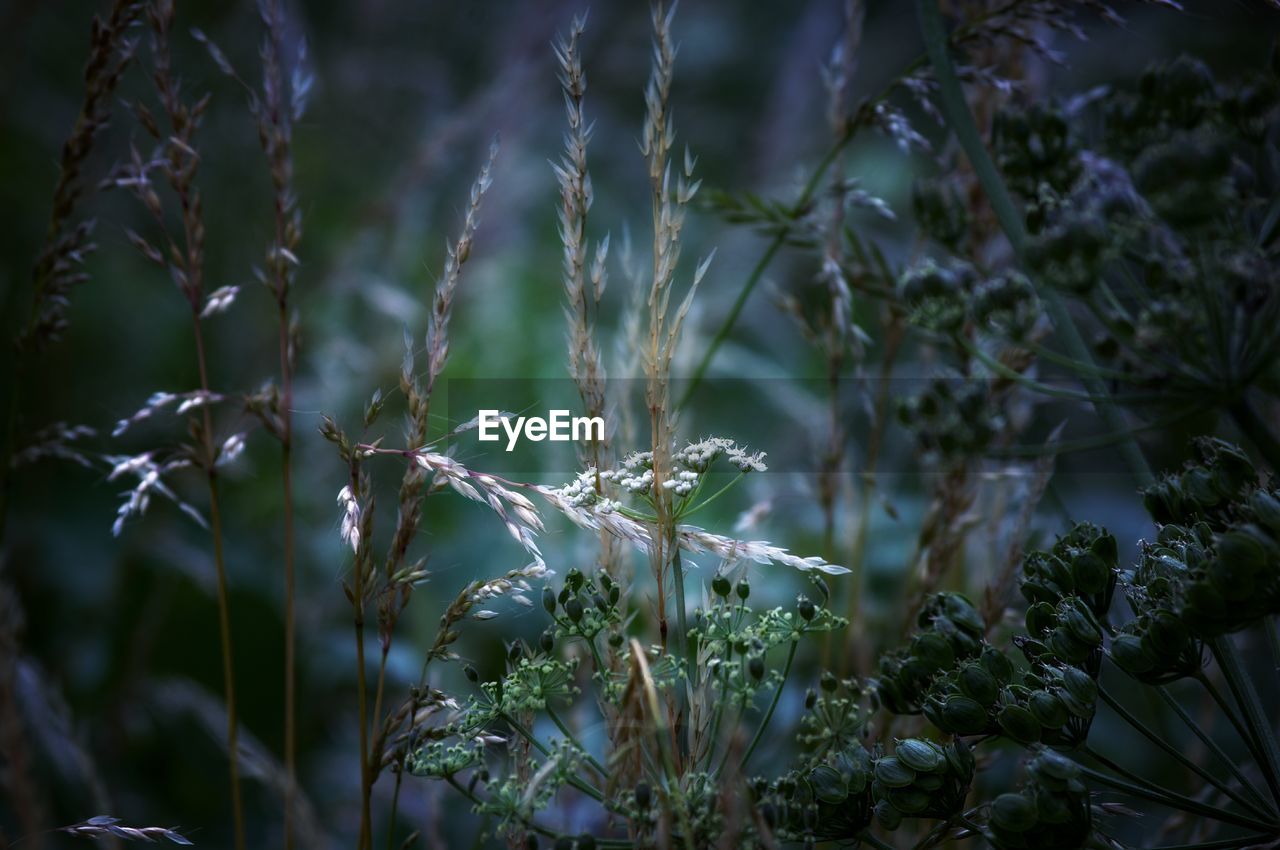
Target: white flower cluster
581	492
636	472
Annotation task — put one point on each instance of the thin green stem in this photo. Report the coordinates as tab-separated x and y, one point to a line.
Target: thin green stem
224	604
573	739
1177	756
1255	715
1216	749
1241	841
773	704
530	825
961	121
577	782
1137	787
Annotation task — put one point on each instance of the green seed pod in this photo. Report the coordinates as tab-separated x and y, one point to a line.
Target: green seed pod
1167	634
964	716
909	801
934	650
1090	573
828	785
1126	651
1080	684
515	651
997	664
1041	617
889	817
720	585
549	600
930	781
471	673
1067	647
1266	507
616	640
977	683
574	579
755	666
1013	813
1019	724
573	609
963	614
960	758
744	590
893	773
615	593
1055	765
828	681
547	641
1048	710
920	755
807	609
601	604
1082	625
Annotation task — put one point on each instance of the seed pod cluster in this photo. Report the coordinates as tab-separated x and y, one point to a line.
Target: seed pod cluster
922	779
951	631
952	416
1050	812
1007	304
1081	563
938	295
582	607
1034	148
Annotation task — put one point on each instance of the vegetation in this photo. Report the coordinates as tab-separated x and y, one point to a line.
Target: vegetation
958	638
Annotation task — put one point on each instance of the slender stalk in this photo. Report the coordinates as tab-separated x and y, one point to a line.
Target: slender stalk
960	118
1216	749
1221	844
773	704
541	830
395	805
573	739
1141	789
290	674
365	841
1177	755
1230	714
1255	715
224	608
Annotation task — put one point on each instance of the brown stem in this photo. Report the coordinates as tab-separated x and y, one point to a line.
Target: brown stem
224	610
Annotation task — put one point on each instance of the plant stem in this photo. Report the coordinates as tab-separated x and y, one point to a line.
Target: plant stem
773	704
286	473
224	607
1173	751
541	830
961	121
1216	749
1155	794
573	739
1246	696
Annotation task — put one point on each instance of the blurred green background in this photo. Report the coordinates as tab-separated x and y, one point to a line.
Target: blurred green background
119	673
